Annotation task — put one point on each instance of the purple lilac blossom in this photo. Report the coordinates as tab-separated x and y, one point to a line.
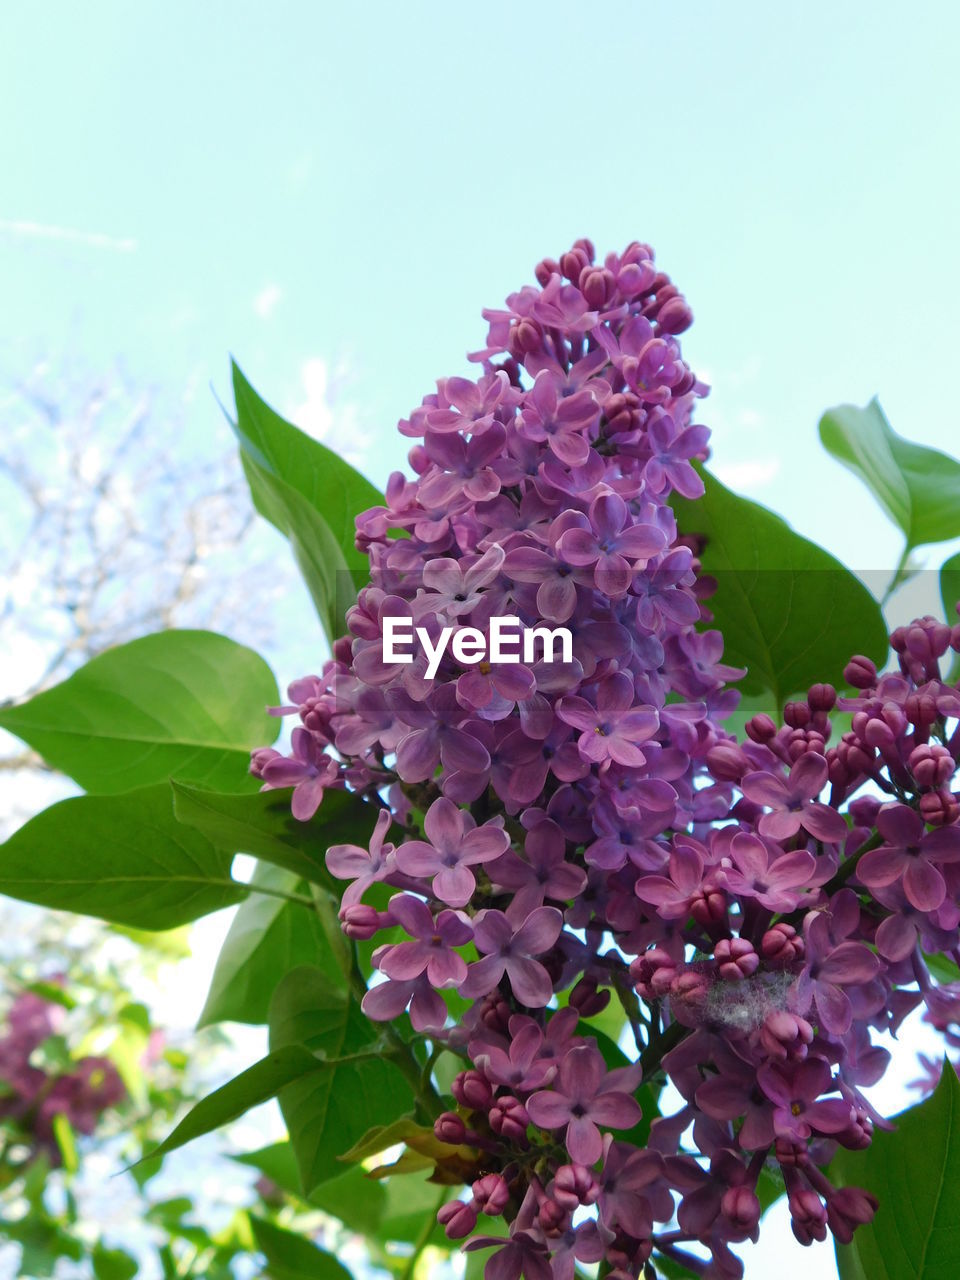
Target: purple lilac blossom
590	832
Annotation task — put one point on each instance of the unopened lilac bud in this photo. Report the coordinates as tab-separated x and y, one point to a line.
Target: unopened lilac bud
860	672
495	1013
587	999
574	1185
709	908
727	762
939	808
791	1154
597	285
450	1128
360	922
472	1090
260	758
509	1119
742	1209
545	269
572	264
864	810
855	757
859	1133
457	1219
808	1216
760	729
552	1217
822	697
342	650
491	1194
931	766
786	1035
735	958
796	715
652	973
920	708
847	1209
675	316
636	278
781	945
689	987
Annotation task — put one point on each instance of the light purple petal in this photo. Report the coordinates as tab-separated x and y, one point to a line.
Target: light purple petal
530	981
539	931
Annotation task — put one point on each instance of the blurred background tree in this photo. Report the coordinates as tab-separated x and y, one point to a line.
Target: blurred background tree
117	522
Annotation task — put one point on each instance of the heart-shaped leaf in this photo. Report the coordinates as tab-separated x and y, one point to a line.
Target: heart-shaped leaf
918	488
267	937
178	704
914	1171
312	496
788	610
263	825
122	858
257	1084
328	1111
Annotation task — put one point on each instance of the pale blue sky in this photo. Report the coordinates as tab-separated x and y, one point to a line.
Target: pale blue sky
383	171
300	182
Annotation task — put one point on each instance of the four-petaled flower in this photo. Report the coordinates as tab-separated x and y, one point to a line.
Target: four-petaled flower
793	801
432	951
614	728
587	1095
910	853
455	845
510	950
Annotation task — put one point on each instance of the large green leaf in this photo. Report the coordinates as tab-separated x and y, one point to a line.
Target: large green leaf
331	1109
122	858
412	1202
257	1084
352	1197
919	488
263	825
268	936
311	495
181	704
950	585
290	1256
789	612
914	1172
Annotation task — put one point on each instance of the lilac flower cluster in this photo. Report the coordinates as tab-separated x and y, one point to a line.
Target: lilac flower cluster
576	832
32	1095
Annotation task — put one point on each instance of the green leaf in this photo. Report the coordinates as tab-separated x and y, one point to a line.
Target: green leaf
918	488
914	1172
412	1201
66	1141
351	1196
182	704
263	825
113	1264
291	1256
312	496
950	585
268	936
329	1111
942	967
122	858
257	1084
788	611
